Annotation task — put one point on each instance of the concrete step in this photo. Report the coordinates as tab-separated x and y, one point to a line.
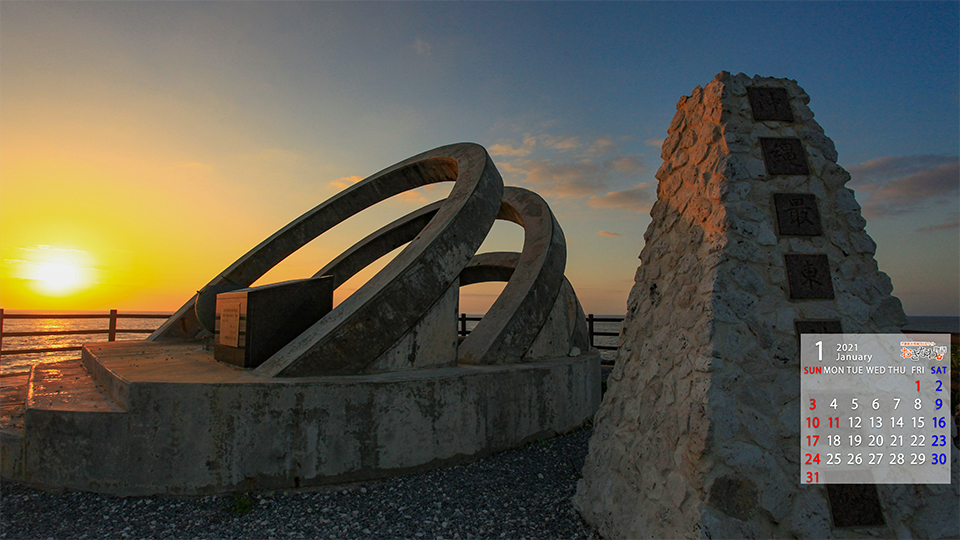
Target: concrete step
54	388
13	398
121	365
67	386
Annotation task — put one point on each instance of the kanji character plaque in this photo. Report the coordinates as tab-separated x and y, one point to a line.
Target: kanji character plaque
784	156
797	214
808	276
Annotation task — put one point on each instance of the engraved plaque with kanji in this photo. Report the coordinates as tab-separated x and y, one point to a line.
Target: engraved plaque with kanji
770	104
797	214
784	156
809	276
831	326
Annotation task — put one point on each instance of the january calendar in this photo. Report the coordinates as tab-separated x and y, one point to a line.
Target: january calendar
875	409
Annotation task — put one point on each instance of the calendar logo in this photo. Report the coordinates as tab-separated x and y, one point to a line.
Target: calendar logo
939	352
925	350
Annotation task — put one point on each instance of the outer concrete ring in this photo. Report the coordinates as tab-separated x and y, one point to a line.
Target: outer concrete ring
380	312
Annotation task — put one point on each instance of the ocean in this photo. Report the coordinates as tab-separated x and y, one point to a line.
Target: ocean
21	362
16	363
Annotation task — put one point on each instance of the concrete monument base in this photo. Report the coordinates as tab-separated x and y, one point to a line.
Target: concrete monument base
141	418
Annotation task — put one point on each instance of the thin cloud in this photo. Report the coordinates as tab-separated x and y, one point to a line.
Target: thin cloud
561	143
505	149
608	234
421	47
637	198
602	146
411	196
941	227
564	179
898	185
654	143
345	182
628	165
562	167
880	170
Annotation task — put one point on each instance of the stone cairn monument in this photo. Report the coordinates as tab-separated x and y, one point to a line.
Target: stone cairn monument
754	240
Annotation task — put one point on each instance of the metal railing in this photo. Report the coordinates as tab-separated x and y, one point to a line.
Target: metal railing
591	330
462	329
111	331
591	319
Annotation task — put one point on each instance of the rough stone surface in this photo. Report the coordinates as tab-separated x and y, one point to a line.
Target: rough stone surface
697	432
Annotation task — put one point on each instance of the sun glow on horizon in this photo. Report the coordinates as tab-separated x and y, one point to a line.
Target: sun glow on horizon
52	271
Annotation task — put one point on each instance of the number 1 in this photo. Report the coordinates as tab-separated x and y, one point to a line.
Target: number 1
819	345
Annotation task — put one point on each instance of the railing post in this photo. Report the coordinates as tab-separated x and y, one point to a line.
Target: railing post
463	324
112	335
1	329
590	328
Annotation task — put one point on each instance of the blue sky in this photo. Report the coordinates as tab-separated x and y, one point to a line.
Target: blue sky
204	127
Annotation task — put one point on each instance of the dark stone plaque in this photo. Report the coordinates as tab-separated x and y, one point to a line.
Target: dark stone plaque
784	155
809	276
797	214
855	505
770	104
818	327
253	323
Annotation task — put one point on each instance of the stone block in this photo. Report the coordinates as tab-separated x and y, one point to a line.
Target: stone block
255	322
729	386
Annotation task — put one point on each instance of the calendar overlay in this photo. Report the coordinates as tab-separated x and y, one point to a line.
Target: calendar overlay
874	409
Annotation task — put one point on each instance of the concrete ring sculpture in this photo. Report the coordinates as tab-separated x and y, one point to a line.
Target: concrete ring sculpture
365	324
512	323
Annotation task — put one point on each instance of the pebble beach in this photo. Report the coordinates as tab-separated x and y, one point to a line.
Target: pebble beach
520	493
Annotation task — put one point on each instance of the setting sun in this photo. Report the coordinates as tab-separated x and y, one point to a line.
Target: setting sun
51	272
57	275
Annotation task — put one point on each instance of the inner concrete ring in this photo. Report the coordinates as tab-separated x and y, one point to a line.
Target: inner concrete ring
377	244
533	282
369	321
514	320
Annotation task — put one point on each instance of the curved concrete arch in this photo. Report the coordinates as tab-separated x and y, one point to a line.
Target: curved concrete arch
513	321
368	322
490	266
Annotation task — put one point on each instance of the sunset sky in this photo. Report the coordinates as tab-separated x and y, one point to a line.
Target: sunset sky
145	146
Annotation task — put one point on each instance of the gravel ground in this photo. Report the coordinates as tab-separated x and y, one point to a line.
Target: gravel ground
520	493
